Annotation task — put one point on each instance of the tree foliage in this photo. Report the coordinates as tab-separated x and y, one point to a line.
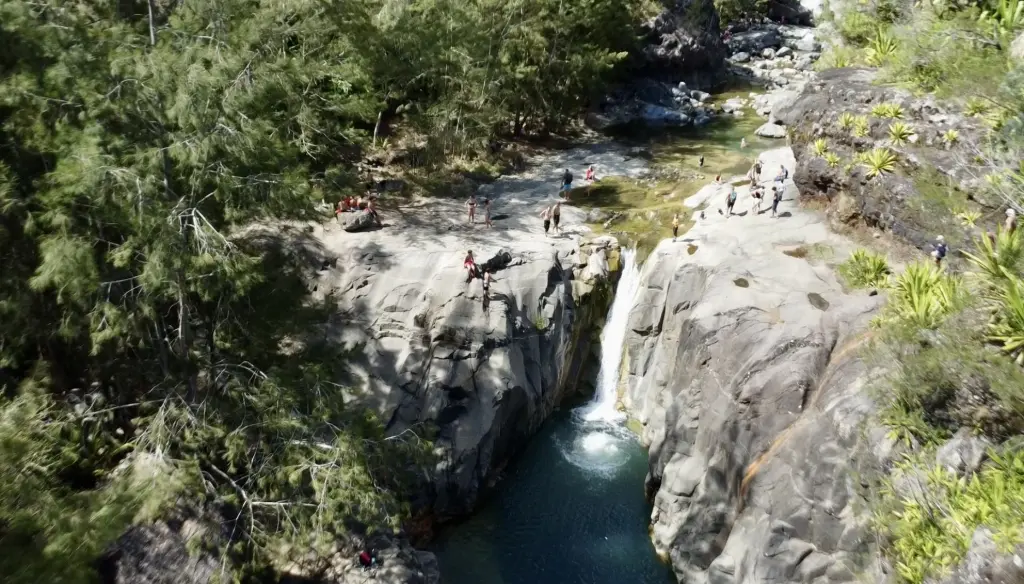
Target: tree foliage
142	317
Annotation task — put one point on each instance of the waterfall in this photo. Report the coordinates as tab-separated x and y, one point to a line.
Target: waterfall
613	338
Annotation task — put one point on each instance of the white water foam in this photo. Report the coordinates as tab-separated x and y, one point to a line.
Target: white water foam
613	338
603	441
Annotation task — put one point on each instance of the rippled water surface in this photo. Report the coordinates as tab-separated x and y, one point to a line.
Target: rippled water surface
571	510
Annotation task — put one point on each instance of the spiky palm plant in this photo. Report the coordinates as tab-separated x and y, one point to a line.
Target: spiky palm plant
950	137
922	296
899	133
865	269
820	147
832	159
1004	17
975	107
847	120
994	260
1007	326
879	161
887	110
861	127
881	48
968	218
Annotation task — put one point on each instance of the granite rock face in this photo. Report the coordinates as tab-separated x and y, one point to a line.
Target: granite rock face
898	201
683	40
741	366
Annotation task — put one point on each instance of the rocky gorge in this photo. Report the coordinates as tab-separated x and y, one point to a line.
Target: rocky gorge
741	366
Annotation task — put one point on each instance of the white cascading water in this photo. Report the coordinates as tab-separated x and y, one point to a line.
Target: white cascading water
601	444
613	338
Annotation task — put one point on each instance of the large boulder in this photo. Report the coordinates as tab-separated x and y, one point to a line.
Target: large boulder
683	41
904	201
771	130
755	41
742	369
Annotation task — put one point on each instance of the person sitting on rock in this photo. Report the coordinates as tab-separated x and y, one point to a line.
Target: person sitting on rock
590	174
472	270
718	179
368	559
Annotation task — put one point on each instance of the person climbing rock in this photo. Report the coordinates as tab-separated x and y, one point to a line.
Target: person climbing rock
675	226
730	201
546	216
471	207
556	216
487	212
776	199
940	251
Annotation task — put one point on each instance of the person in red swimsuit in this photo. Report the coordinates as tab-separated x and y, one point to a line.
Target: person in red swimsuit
472	269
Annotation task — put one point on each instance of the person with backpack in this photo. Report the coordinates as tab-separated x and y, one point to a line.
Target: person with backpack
940	250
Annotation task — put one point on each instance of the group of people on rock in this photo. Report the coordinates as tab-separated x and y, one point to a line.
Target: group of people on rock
758	191
566	186
352	204
471	209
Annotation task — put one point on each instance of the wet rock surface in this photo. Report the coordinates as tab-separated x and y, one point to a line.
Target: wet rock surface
752	398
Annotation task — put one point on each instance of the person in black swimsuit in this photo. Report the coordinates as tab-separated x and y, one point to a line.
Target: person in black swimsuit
546	216
471	205
557	216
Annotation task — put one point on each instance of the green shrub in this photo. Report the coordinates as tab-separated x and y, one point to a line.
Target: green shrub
865	269
881	48
856	27
832	159
879	161
950	137
922	296
998	266
931	531
975	107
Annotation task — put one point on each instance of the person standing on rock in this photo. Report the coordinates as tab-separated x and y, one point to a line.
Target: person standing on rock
730	201
566	182
556	215
743	142
940	250
675	226
546	216
471	206
700	161
487	212
776	199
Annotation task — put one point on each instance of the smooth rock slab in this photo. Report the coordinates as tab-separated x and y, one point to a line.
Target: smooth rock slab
770	130
751	397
